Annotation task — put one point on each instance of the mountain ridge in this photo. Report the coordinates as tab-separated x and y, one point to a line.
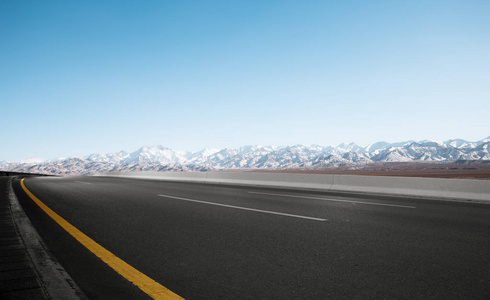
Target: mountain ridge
160	158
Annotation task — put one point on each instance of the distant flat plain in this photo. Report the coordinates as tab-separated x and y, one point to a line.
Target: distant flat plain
459	169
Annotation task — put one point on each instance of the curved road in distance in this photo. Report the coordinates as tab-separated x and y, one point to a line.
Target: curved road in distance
206	241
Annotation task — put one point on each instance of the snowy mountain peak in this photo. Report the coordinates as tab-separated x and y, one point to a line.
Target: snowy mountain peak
431	143
32	161
155	154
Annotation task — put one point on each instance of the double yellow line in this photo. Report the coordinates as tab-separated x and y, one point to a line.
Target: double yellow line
145	283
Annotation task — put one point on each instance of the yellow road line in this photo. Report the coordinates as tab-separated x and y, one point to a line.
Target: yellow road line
145	283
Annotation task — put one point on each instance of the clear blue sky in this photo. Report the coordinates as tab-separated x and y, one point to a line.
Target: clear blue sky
78	77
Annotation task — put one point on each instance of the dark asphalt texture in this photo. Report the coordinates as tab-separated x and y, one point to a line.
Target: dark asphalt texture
437	250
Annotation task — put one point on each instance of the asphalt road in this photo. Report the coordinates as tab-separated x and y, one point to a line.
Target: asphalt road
226	242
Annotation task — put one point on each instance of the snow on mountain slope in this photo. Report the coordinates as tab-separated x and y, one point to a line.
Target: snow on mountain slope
377	146
459	143
352	147
159	158
111	157
155	154
200	156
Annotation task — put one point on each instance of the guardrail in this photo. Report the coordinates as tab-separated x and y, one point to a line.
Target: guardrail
405	186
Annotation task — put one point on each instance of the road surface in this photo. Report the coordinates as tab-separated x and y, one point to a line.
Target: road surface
205	241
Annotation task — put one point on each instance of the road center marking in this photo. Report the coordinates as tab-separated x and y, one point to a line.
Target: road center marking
83	182
145	283
245	208
334	200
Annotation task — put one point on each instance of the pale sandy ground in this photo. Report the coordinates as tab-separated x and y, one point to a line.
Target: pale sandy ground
468	170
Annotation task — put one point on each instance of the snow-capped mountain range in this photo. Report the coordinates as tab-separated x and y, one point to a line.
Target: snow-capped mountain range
159	158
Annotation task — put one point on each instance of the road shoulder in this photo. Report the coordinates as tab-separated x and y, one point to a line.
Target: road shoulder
55	282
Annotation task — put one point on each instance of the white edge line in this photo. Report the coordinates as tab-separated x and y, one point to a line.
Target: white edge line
335	200
83	182
246	208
